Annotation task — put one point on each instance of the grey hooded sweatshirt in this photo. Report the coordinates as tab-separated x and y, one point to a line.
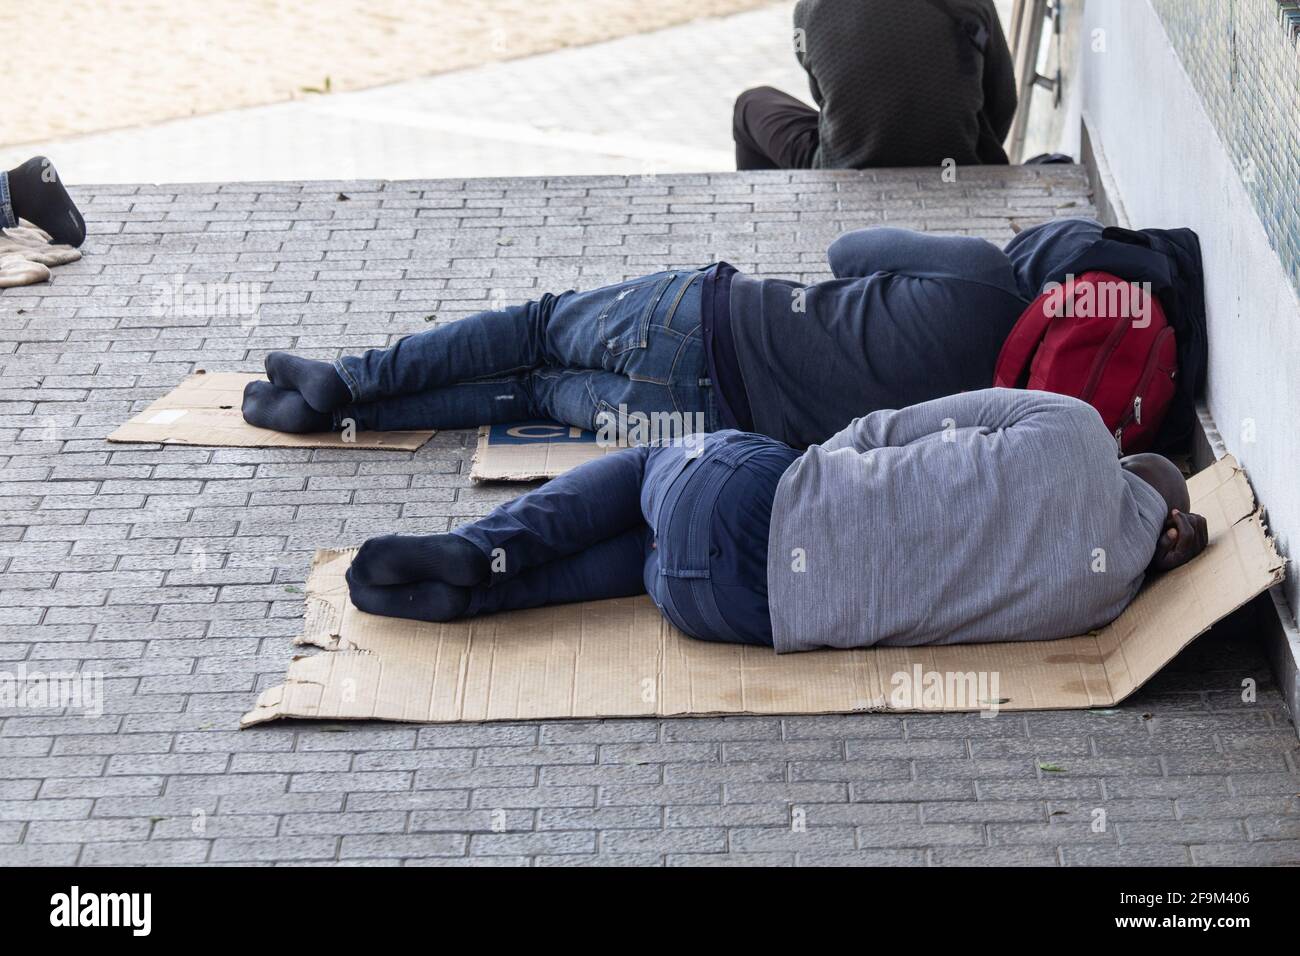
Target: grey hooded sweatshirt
995	515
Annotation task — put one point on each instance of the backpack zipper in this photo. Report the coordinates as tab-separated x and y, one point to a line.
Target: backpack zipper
1135	412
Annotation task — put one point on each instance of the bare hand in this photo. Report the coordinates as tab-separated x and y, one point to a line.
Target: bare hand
1185	535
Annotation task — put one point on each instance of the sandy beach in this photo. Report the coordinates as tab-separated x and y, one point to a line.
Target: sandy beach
135	62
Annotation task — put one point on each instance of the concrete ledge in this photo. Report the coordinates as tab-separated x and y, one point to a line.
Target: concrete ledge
1270	614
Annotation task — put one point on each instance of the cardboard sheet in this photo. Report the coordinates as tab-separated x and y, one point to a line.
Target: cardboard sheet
621	658
204	410
528	451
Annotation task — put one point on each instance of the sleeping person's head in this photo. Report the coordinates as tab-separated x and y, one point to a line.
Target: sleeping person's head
1184	535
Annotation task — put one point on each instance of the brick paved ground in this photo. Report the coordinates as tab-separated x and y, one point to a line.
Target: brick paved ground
99	546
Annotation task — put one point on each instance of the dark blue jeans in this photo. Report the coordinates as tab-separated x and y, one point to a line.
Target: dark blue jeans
567	357
7	217
686	523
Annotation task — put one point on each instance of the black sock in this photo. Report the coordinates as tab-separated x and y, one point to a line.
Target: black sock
422	601
405	558
318	382
37	195
283	410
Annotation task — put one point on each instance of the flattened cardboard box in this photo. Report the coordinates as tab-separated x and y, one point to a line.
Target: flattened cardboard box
528	451
205	410
620	658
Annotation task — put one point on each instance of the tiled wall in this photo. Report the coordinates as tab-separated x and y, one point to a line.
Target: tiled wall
1244	58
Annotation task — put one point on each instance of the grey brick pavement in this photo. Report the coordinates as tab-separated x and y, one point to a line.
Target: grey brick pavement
176	573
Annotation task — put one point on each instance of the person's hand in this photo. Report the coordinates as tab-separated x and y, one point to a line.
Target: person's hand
1184	536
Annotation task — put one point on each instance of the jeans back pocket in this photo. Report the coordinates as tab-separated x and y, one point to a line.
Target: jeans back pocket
625	319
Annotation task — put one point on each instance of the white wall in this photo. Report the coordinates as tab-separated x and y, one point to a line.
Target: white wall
1170	168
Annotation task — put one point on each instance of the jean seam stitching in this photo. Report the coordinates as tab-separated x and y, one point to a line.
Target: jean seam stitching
353	387
7	214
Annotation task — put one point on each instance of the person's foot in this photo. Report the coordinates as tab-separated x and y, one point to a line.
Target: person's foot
36	194
282	410
315	381
424	601
405	558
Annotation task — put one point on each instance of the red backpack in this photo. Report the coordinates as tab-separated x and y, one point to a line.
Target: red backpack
1101	339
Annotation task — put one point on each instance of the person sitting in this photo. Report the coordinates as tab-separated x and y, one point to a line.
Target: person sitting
996	515
897	84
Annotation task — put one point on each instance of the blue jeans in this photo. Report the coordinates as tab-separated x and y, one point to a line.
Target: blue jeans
567	357
7	217
644	520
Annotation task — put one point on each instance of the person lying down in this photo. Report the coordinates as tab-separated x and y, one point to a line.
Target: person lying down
909	317
994	515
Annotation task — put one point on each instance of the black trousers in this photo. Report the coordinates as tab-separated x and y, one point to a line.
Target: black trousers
773	130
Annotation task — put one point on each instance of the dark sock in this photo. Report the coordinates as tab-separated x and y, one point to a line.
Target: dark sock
318	382
422	601
406	558
37	195
282	410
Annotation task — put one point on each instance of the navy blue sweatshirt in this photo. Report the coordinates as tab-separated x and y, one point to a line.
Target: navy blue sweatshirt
909	317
